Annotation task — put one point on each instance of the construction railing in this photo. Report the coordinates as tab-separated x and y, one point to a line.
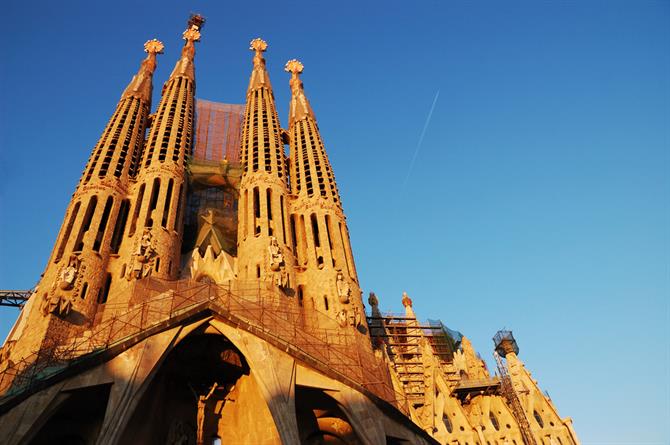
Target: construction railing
257	307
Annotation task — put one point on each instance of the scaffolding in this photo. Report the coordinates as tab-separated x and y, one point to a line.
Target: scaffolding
402	336
257	307
218	131
505	342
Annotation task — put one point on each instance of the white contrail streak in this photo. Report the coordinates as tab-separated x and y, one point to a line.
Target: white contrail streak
423	133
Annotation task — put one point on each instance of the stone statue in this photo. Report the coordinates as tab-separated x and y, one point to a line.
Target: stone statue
356	318
276	257
68	274
341	318
372	300
343	288
143	260
202	408
406	301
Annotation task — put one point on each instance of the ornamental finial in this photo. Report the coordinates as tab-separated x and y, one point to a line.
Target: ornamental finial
191	34
406	301
153	46
294	67
259	45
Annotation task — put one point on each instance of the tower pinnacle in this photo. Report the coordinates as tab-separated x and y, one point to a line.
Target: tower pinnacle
300	107
185	66
140	85
259	76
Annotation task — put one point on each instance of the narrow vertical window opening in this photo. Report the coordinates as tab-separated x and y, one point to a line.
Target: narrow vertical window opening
103	293
68	232
84	289
120	226
168	201
179	211
257	211
283	219
153	201
86	224
102	227
136	211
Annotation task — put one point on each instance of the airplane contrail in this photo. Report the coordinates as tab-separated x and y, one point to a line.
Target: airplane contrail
423	133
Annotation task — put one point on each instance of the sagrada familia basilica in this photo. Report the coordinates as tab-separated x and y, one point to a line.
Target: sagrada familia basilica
202	290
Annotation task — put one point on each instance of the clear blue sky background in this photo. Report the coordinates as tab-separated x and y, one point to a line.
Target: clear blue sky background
538	200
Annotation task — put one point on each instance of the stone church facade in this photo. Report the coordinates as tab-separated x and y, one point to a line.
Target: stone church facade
202	289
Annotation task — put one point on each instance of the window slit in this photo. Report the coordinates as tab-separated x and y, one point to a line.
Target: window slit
103	293
86	224
283	220
119	227
166	207
148	221
68	232
136	211
178	210
102	227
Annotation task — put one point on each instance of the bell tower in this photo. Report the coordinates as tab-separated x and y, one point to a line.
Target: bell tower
325	265
77	277
156	221
264	248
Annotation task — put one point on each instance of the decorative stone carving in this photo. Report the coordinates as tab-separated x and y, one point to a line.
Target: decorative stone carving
275	254
68	274
153	46
372	300
56	304
355	318
220	268
144	258
406	301
281	278
341	318
343	289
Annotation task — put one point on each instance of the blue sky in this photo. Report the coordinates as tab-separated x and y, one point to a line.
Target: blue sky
537	201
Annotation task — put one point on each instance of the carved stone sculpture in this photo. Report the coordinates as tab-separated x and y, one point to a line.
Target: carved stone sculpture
372	300
406	301
68	274
56	304
341	318
356	318
343	289
143	260
281	278
275	254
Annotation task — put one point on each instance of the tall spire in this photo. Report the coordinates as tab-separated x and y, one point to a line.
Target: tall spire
185	66
262	148
263	225
327	272
156	222
299	108
122	139
141	84
311	173
259	75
